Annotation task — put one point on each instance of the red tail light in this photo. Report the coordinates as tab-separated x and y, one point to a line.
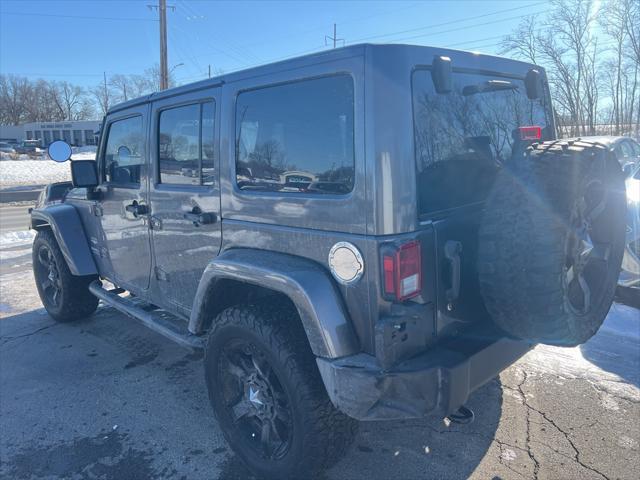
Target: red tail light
402	269
530	133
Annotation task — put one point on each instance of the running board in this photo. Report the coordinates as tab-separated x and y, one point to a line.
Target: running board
157	320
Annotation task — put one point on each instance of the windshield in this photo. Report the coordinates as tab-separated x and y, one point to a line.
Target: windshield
462	137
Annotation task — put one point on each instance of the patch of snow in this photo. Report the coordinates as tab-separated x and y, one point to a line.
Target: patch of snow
609	402
508	455
32	172
12	239
85	149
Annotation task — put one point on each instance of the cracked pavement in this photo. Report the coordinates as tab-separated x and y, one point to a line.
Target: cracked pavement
106	398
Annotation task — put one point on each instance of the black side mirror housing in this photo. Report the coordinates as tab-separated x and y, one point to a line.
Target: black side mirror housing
533	84
84	173
441	74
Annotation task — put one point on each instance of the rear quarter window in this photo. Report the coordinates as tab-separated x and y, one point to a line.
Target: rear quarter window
297	137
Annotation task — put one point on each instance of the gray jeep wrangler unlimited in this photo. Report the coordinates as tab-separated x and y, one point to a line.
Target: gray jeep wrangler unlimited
368	233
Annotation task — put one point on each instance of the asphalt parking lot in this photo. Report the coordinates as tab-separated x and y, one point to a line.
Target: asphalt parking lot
106	398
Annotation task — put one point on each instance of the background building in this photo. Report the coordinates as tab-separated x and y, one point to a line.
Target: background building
78	133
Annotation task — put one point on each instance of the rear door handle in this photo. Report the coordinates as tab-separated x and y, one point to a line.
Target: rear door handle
198	217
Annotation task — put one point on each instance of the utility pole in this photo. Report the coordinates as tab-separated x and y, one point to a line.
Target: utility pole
162	13
335	38
209	70
164	73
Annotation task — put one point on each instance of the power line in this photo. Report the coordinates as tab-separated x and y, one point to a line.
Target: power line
450	22
239	51
82	17
430	34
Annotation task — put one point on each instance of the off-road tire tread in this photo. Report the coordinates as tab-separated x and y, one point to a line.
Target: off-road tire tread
77	301
328	432
522	245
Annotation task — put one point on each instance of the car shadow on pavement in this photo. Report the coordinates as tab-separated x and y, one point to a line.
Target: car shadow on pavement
412	449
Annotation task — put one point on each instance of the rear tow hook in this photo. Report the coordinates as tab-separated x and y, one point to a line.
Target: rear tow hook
462	416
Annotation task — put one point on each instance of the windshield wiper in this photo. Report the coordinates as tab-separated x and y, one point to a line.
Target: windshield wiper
488	86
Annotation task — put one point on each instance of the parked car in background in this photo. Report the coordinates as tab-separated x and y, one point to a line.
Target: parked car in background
627	151
28	147
629	285
6	148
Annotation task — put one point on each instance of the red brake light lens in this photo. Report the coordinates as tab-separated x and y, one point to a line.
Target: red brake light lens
388	265
402	270
530	133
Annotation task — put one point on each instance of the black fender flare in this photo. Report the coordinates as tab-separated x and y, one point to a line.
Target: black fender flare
65	223
307	284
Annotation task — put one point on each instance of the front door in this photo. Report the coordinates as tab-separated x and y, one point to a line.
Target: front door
185	193
123	207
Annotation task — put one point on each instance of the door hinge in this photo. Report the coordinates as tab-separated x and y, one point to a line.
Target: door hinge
161	274
155	223
96	209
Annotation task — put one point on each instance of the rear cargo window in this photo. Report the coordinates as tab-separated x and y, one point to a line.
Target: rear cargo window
297	137
463	137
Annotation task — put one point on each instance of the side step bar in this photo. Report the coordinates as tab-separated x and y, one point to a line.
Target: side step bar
156	320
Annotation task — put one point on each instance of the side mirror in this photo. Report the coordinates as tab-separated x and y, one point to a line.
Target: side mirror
533	84
84	173
59	151
441	74
124	155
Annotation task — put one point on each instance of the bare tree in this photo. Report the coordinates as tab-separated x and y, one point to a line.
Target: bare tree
121	85
103	95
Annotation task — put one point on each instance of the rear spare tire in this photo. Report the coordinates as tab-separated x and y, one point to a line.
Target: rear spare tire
551	242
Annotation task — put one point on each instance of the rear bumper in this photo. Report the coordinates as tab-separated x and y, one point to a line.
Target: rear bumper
434	384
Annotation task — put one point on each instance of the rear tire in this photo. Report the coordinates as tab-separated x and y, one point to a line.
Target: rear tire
260	371
551	243
66	297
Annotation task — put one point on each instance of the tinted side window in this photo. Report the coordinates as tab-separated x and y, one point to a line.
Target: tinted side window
297	137
185	149
124	152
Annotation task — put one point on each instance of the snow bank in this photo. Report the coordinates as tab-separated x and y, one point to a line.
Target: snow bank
32	172
40	171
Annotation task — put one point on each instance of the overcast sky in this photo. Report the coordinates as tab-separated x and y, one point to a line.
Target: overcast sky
78	40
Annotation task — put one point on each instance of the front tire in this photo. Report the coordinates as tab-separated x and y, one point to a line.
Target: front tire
267	394
65	297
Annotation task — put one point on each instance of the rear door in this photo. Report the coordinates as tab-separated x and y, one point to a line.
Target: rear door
462	139
185	193
123	206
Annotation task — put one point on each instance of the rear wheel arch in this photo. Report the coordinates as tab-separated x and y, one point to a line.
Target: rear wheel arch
240	275
224	293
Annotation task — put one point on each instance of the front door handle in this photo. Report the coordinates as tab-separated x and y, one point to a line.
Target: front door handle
198	217
137	209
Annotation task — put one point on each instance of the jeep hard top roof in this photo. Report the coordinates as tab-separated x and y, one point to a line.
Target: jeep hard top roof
413	54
